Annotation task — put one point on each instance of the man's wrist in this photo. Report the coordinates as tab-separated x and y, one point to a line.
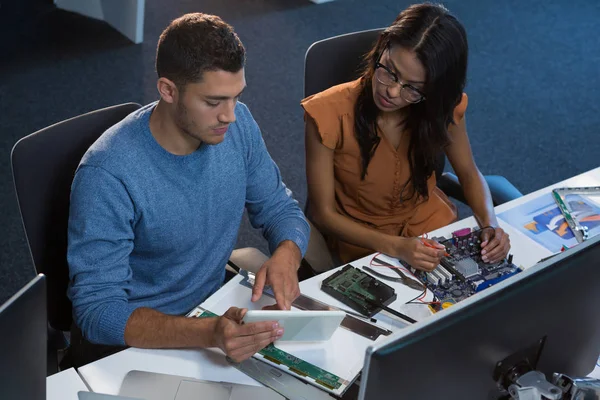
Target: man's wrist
290	249
209	327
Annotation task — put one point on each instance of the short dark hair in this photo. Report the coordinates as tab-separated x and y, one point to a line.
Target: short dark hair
195	43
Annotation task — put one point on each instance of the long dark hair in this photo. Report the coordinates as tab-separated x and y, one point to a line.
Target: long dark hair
440	43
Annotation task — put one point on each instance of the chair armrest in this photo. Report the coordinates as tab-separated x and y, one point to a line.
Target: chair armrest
317	256
450	185
248	258
251	259
501	189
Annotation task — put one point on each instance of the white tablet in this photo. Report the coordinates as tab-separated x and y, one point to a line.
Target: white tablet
300	326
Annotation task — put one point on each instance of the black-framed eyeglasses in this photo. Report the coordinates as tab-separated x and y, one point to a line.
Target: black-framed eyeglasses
387	77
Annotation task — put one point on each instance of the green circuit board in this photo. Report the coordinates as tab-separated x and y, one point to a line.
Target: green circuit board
359	290
294	364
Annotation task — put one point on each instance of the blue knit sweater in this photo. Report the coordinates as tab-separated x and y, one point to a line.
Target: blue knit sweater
148	228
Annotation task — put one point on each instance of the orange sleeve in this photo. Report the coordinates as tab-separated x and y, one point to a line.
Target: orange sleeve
461	108
321	110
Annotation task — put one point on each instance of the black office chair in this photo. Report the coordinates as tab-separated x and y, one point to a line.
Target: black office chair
339	59
43	166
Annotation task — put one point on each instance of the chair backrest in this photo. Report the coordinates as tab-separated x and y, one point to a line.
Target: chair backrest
339	59
327	63
43	166
336	60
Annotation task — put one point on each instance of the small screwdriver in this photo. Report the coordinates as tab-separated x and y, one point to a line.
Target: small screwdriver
433	247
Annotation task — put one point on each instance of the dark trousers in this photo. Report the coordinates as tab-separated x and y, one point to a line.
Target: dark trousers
81	351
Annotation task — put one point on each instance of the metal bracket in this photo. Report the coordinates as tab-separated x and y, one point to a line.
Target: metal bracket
578	388
534	386
283	383
581	232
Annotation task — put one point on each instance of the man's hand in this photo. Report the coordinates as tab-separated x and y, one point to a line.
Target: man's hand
240	342
495	244
281	272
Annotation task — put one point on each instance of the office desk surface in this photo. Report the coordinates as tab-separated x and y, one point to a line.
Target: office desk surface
106	375
596	372
64	385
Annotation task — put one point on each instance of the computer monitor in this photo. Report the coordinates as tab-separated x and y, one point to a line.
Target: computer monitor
23	341
455	353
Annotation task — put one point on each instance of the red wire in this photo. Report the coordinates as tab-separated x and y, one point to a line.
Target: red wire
374	264
420	298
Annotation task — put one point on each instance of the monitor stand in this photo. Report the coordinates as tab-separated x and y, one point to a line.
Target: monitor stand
517	379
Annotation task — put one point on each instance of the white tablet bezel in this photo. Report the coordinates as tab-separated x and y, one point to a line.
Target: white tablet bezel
300	326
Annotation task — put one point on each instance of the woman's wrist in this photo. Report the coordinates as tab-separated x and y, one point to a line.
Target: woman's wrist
489	222
393	245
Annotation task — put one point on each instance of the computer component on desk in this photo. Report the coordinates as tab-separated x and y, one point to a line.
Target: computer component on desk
463	272
358	290
352	322
291	364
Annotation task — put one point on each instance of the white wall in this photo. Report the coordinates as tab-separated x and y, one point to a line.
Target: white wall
126	16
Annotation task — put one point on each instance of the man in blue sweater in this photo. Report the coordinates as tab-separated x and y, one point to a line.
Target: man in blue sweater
157	202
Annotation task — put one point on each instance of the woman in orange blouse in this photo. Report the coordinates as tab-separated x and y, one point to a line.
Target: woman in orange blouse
371	146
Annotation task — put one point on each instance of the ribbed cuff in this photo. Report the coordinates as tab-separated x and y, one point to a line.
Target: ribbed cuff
296	235
112	322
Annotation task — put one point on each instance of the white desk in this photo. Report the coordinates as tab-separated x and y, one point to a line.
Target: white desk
106	375
64	385
596	372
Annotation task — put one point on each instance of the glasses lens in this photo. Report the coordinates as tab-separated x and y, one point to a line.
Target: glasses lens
383	76
411	95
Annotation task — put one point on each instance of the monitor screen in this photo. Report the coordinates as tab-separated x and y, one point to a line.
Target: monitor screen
23	343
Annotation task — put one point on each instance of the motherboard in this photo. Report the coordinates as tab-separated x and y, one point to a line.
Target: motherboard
462	272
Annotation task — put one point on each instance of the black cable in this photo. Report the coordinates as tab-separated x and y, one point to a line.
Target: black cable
422	293
386	308
396	313
232	265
